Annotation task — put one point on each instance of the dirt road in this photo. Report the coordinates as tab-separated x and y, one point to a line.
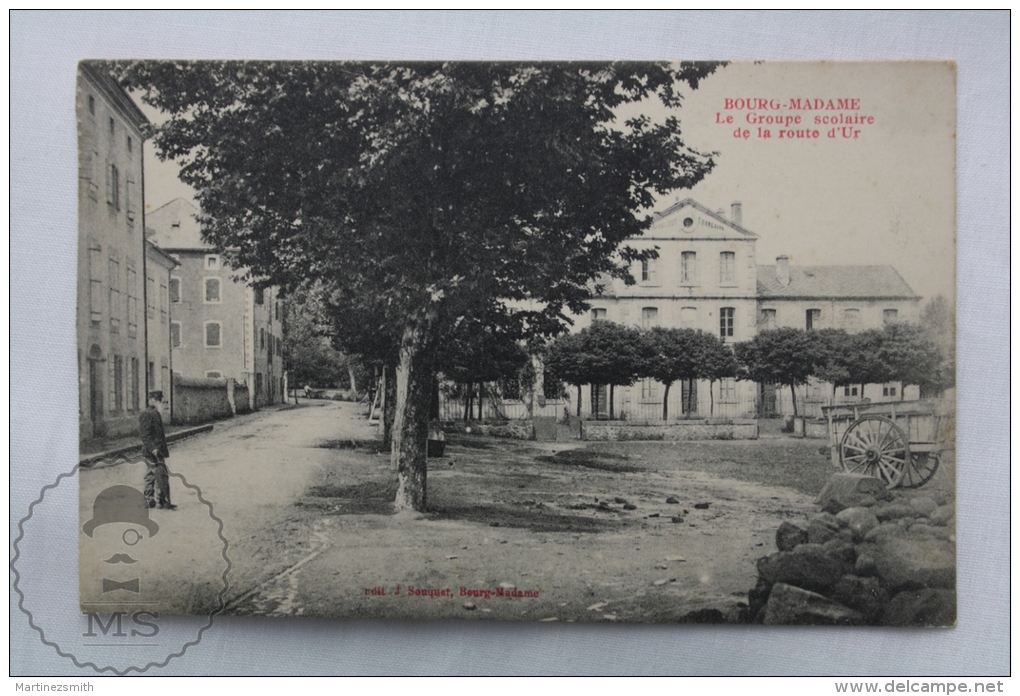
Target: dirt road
516	530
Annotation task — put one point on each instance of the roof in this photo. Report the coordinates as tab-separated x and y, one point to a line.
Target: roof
174	227
158	253
679	205
113	93
834	282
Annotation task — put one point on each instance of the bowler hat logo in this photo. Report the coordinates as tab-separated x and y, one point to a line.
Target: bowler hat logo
120	504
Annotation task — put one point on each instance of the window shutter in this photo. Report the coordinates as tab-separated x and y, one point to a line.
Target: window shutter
129	200
109	184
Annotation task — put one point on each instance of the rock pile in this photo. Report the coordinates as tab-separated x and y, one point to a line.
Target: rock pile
868	557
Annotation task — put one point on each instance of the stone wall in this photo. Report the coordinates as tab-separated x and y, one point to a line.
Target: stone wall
816	428
677	430
512	430
868	557
201	400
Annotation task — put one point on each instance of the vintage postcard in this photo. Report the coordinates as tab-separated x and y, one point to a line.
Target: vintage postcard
577	342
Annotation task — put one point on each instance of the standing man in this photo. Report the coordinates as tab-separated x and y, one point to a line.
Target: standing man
155	451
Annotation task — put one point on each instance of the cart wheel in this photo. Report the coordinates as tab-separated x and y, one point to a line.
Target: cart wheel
875	446
921	468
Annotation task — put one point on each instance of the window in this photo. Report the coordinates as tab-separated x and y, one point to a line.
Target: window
135	387
688	396
849	391
175	290
214	374
114	280
688	317
113	187
260	296
164	303
649	271
150	297
129	201
118	383
132	303
727	268
649	317
812	318
151	381
888	390
768	319
212	334
726	322
95	282
598	313
649	389
262	339
851	319
175	334
212	290
277	311
688	267
212	263
92	105
164	379
727	391
889	316
112	126
130	144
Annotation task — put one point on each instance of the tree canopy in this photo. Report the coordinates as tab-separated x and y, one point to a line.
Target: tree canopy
426	192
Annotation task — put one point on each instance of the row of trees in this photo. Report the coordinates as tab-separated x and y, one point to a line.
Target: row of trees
616	355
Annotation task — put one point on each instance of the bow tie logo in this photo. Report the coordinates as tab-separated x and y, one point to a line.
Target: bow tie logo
111	585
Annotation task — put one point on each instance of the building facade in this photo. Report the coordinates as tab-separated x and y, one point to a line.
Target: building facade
158	269
111	258
221	328
707	277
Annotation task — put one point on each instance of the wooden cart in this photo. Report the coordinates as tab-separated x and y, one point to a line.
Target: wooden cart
899	442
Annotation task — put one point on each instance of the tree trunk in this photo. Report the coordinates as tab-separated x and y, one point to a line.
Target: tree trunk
901	391
389	407
595	401
793	393
481	405
354	382
467	402
410	428
434	405
612	395
665	401
711	398
578	400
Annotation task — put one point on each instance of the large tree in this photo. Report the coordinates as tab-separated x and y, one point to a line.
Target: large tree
426	191
673	354
780	356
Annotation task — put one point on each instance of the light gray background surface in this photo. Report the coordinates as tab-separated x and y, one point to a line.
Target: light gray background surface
45	48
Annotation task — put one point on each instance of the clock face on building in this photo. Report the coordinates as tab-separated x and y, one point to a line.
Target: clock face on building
688	222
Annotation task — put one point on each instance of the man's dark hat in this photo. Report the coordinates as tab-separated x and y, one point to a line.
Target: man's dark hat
120	504
156	395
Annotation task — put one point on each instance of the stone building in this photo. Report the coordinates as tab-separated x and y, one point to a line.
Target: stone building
221	327
707	277
158	267
111	258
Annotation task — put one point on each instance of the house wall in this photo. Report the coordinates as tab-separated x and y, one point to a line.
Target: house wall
200	400
111	276
157	372
833	312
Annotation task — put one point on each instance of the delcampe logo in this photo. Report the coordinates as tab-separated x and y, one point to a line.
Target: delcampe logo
147	582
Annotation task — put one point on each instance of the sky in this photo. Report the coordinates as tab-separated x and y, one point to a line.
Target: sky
883	195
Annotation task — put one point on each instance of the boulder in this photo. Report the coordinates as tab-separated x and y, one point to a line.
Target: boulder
847	490
925	607
883	530
790	534
792	605
909	564
757	597
867	501
865	595
858	520
942	516
893	511
820	529
842	552
865	563
704	616
807	566
924	505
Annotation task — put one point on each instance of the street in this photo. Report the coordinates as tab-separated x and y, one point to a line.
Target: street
515	530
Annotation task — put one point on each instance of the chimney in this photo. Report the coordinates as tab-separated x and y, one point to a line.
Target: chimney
783	270
736	214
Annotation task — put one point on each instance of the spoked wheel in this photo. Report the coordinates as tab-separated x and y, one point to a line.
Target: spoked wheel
875	446
921	468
